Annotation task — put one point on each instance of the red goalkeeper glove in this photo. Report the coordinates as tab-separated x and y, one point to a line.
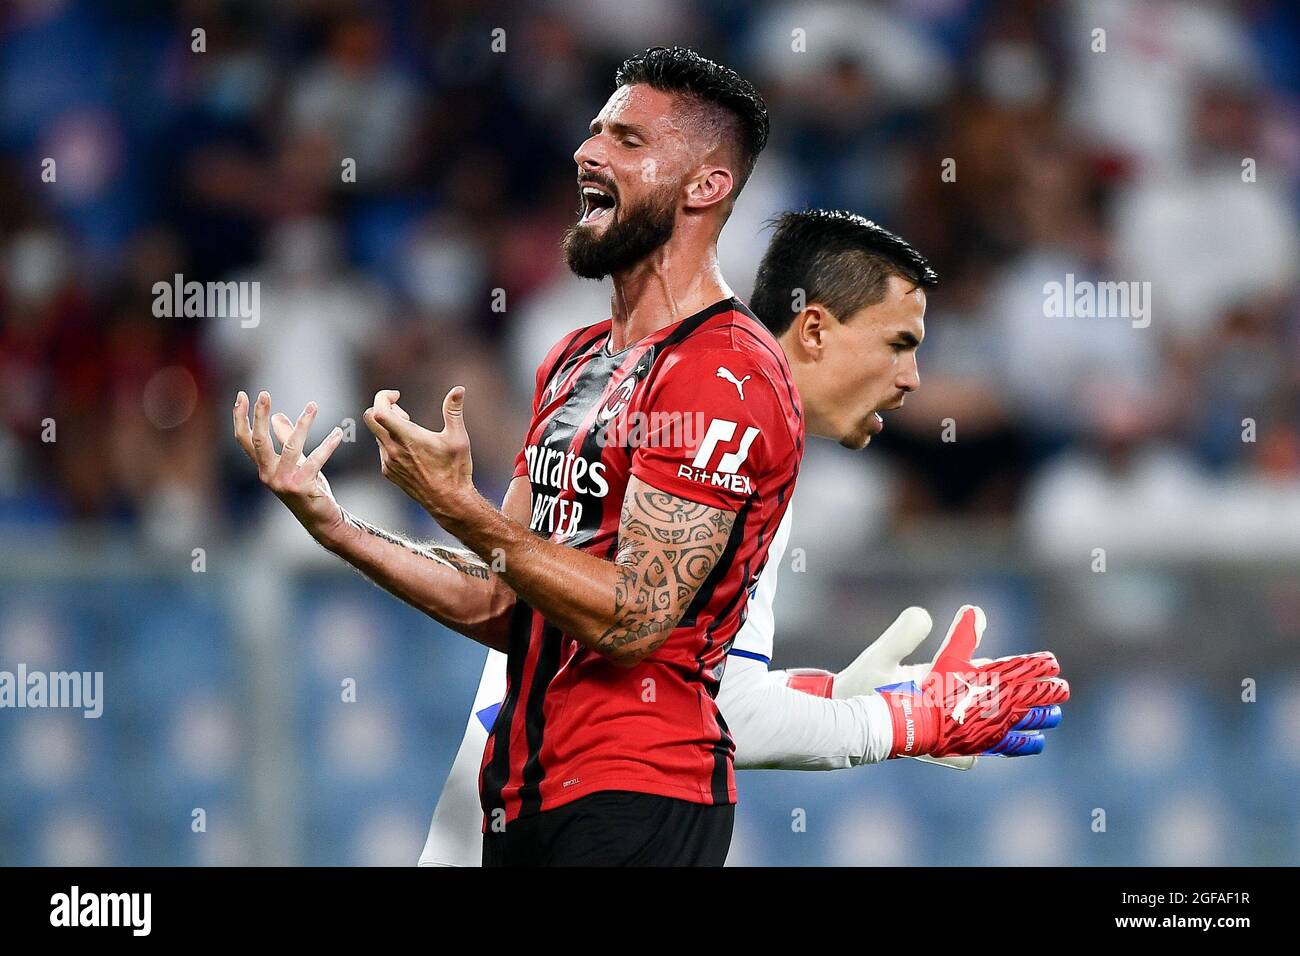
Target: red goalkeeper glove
961	709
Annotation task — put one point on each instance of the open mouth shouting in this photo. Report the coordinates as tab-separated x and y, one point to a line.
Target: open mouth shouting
598	202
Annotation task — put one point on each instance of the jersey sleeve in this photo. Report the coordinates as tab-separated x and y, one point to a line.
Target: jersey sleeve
718	430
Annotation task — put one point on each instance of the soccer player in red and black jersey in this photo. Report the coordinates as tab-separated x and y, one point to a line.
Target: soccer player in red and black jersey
633	562
661	456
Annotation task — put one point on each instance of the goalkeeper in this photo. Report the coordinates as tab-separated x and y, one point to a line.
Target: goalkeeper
845	299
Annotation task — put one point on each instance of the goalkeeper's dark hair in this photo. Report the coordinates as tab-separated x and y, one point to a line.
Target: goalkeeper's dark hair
726	97
838	259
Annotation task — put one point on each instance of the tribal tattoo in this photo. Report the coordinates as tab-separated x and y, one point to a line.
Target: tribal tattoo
667	547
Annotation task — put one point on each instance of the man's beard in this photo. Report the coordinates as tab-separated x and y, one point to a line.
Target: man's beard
860	437
636	233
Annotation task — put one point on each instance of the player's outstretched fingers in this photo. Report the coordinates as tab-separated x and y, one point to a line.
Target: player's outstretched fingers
1024	667
1038	693
885	655
291	454
243	434
906	634
963	637
281	427
1039	718
263	450
316	460
1018	745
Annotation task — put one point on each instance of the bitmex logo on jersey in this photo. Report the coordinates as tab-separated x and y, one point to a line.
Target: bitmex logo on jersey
725	476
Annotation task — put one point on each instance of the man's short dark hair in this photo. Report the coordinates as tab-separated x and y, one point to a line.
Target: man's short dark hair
838	259
729	97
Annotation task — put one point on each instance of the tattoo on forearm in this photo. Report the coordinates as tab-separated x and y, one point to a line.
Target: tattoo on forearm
466	562
667	549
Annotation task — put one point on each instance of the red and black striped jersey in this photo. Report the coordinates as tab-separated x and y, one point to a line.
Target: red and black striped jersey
703	409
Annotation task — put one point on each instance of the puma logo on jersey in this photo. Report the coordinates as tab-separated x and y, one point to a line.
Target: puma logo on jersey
724	372
972	691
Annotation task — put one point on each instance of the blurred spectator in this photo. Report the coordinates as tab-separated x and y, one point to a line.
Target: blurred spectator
1012	142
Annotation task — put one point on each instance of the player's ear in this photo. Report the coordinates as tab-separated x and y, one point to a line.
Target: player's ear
708	187
811	326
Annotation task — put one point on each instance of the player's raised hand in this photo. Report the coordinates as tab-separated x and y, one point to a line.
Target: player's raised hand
294	476
434	468
965	709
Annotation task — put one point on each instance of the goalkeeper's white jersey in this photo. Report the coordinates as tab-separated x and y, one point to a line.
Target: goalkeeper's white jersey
455	835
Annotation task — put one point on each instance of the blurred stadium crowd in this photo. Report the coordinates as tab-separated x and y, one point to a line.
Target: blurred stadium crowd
1171	158
1124	165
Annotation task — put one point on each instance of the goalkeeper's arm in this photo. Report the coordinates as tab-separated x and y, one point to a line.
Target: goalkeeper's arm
777	727
814	720
804	719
